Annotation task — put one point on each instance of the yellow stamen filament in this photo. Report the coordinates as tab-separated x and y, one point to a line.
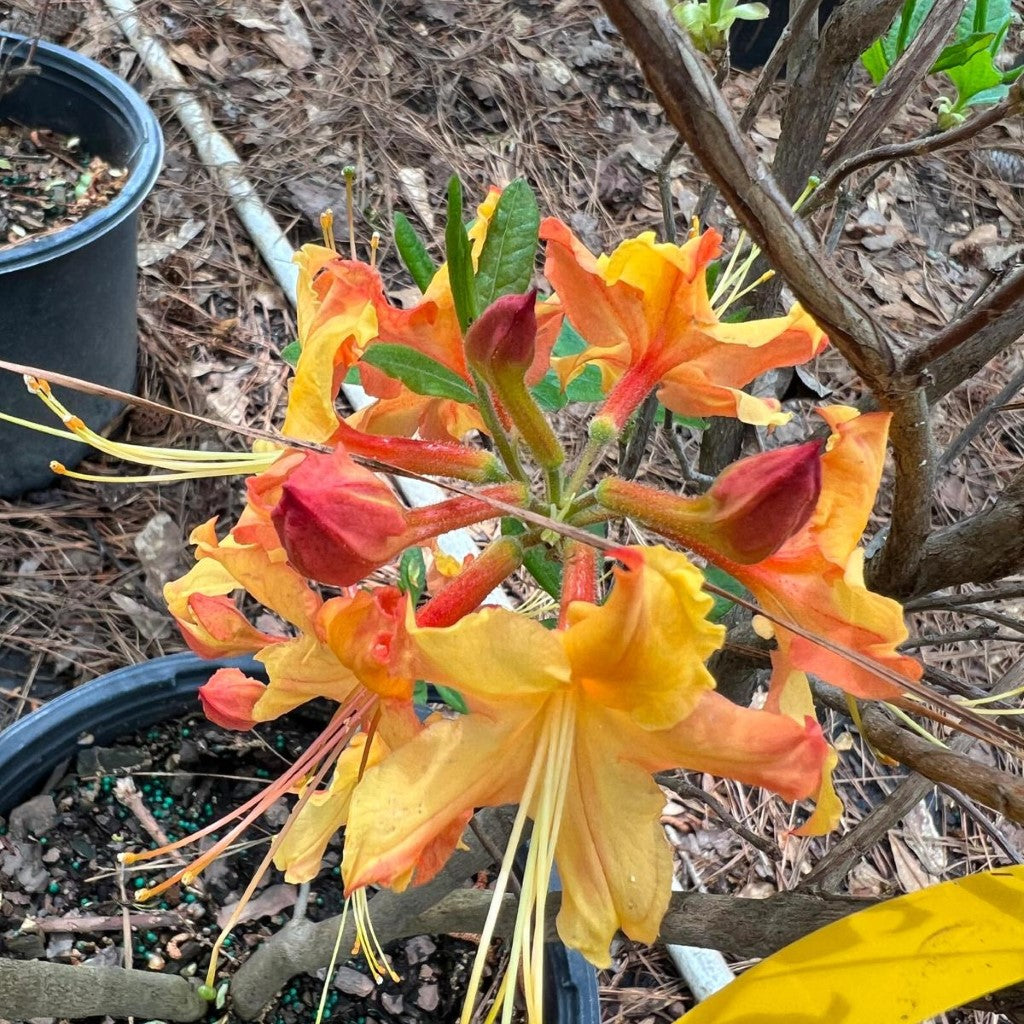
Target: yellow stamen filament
327	229
550	771
694	228
339	745
992	697
331	966
731	280
183	464
367	942
915	726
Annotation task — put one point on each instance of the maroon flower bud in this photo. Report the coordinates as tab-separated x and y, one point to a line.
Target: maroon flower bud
504	337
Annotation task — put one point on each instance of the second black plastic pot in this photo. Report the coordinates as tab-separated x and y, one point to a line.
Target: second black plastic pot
68	299
140	696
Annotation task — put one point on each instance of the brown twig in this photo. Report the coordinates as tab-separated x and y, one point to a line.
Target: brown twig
1007	297
895	569
996	789
106	923
770	72
891	94
983	548
697	110
960	443
687	789
919	147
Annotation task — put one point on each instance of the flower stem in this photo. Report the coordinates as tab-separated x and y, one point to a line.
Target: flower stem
502	441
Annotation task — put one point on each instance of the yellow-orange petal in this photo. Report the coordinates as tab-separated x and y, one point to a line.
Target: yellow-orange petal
643	650
300	853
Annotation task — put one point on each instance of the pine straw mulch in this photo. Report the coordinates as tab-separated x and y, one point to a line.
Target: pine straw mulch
408	91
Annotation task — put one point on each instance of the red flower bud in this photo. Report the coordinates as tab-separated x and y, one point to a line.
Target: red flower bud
751	510
337	520
504	337
229	697
760	502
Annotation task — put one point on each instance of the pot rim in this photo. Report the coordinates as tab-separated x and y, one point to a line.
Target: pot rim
144	163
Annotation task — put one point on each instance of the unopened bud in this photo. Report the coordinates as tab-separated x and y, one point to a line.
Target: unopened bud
229	697
504	336
751	510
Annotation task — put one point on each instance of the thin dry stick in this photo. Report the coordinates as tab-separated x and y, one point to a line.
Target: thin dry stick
1007	107
770	72
987	411
687	789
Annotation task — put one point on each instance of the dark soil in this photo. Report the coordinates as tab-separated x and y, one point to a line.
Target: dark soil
48	181
58	863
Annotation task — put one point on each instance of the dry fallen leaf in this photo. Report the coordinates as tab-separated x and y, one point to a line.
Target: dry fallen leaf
271	901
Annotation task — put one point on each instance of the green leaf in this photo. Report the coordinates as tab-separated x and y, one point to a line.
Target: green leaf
460	258
353	376
506	260
418	372
884	52
711	276
586	387
419	692
291	352
720	578
875	62
905	960
452	698
413	252
412	574
977	76
569	341
983	16
545	567
548	393
960	53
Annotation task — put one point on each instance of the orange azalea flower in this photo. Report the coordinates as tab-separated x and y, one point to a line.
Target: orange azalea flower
816	577
337	319
645	313
570	724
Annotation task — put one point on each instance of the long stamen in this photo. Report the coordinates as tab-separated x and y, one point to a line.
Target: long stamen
501	886
338	733
184	464
546	835
350	176
334	962
257	877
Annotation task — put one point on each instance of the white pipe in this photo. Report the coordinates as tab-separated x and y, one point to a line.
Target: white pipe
219	156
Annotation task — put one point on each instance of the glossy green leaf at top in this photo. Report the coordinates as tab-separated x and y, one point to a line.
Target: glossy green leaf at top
418	372
875	61
984	16
460	259
959	53
413	253
507	257
899	962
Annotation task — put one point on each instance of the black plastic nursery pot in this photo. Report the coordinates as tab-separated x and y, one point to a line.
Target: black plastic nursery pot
140	696
68	298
